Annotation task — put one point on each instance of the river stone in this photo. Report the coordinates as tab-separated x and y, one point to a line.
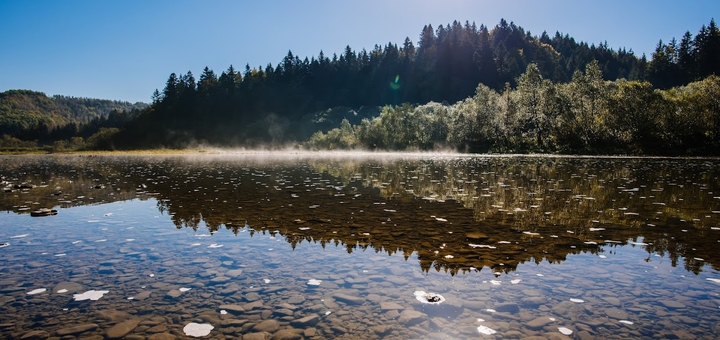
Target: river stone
173	294
288	334
297	299
253	305
219	280
71	287
143	295
251	297
269	326
539	322
256	336
77	329
113	315
120	330
390	306
612	300
392	314
162	336
616	313
157	329
307	321
283	312
234	309
507	308
476	235
585	335
671	304
534	301
380	330
411	317
351	300
35	335
233	273
310	332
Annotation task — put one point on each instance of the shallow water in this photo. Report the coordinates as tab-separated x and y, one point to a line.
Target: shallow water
344	247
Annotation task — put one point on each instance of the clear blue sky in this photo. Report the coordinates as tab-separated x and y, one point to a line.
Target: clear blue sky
125	49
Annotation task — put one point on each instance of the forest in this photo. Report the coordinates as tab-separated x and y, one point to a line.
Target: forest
463	87
29	118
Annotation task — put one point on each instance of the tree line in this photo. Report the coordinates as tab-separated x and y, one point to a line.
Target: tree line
289	101
277	103
588	115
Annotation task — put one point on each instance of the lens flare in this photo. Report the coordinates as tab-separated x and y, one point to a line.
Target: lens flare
395	85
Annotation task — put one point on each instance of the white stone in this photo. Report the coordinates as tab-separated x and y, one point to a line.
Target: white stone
313	282
486	330
93	295
577	300
36	291
429	298
197	330
565	331
184	289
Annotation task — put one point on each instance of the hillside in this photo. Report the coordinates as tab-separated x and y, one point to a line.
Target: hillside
23	110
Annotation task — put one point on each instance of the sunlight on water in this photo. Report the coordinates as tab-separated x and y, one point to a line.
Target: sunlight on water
406	247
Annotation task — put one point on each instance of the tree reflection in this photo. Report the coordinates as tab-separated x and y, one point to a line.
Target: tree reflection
455	214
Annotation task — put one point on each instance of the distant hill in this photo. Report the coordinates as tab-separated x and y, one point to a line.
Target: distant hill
22	110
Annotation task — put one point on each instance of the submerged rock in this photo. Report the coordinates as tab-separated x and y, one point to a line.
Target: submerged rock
430	298
411	317
43	212
35	335
120	330
77	329
197	330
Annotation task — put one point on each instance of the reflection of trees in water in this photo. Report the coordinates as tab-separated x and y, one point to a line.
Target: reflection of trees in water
63	181
485	201
655	198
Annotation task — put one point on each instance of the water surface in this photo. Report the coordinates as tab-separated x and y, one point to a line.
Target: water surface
339	246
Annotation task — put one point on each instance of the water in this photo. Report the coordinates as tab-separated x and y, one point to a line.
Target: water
360	246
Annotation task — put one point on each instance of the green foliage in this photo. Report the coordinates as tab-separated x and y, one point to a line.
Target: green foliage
446	67
102	140
588	115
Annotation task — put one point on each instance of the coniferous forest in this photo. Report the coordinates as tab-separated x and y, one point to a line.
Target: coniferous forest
462	87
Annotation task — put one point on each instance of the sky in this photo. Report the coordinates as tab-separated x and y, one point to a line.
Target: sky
125	49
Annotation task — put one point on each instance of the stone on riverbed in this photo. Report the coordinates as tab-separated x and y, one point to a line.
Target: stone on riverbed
35	335
233	309
269	326
288	334
539	322
306	321
256	336
120	330
67	287
348	299
411	317
76	329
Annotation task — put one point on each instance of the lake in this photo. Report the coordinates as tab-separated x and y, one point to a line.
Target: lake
359	246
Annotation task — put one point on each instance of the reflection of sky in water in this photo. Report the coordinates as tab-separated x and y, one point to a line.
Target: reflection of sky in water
339	273
128	248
